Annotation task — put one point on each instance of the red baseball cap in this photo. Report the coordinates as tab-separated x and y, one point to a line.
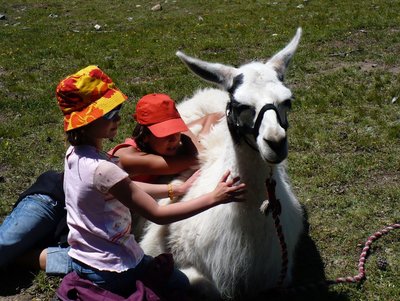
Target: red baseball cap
159	114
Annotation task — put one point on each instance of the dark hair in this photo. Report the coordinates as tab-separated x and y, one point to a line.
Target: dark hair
139	133
77	136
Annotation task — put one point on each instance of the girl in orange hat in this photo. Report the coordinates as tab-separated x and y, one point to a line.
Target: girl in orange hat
99	195
144	156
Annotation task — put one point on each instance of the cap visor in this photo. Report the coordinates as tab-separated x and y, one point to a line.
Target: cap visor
168	127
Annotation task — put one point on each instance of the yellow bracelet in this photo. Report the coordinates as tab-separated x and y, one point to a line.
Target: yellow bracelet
170	192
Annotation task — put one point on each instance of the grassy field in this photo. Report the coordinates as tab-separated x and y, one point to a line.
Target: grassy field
345	123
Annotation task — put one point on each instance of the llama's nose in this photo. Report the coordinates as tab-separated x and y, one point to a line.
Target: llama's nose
277	145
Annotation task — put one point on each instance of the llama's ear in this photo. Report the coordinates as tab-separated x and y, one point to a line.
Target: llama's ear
281	60
216	73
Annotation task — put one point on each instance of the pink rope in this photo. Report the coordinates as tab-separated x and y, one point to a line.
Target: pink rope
363	256
282	242
357	278
274	205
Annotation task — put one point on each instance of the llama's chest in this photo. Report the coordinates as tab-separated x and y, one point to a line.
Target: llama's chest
220	231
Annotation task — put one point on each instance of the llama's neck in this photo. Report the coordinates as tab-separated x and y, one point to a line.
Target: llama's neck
221	154
247	162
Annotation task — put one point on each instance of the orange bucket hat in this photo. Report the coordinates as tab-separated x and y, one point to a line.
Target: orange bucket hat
86	96
159	114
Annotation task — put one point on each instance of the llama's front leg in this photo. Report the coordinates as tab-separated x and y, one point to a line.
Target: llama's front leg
201	289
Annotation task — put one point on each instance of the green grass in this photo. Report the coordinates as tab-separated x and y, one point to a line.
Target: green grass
345	131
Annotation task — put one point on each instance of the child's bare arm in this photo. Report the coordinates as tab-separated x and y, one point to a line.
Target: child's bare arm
137	200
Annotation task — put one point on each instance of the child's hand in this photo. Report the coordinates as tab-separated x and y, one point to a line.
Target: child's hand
183	188
229	190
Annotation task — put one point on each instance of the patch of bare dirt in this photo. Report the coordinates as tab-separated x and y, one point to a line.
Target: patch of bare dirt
19	297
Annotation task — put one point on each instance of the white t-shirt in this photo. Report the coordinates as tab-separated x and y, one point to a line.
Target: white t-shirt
99	224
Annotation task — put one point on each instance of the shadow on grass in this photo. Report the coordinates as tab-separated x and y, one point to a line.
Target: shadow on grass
308	271
14	280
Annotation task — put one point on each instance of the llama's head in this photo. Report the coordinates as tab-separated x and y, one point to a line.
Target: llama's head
259	100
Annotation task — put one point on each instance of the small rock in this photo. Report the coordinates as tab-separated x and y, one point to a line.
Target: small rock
97	27
3	17
200	18
53	16
343	135
156	7
394	99
129	18
382	264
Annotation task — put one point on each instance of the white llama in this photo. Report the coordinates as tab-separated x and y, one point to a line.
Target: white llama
233	251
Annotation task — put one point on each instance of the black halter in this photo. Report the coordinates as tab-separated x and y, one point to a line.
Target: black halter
240	130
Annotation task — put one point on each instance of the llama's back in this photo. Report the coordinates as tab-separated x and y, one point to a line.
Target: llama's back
203	102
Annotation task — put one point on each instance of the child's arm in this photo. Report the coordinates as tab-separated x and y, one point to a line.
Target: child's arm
162	190
206	123
141	163
137	200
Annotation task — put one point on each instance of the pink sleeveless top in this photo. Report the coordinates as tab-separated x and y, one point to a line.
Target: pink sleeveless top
140	178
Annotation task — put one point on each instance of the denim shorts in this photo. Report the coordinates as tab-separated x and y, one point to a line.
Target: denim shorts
124	283
31	225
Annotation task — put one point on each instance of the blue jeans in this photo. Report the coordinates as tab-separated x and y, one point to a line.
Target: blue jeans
31	225
124	283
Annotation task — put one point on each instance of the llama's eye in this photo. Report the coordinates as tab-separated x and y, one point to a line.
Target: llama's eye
246	117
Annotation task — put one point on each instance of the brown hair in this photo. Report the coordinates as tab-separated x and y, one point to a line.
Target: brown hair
139	133
76	136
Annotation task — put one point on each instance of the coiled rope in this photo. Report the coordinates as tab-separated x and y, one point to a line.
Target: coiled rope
363	256
274	206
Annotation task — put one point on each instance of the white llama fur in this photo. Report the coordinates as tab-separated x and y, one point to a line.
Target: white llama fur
232	250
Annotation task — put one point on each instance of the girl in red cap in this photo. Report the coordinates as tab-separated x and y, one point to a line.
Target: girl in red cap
162	143
99	195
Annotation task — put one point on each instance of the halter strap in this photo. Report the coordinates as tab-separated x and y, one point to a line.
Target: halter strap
238	131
